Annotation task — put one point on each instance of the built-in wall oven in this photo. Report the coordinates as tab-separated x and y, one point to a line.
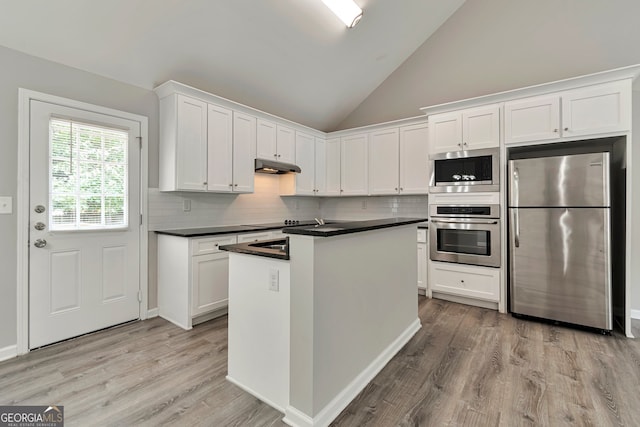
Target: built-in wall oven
465	171
465	234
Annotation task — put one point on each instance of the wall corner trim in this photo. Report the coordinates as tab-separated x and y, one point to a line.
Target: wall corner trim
8	352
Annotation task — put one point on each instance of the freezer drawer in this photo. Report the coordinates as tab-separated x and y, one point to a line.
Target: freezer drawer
559	264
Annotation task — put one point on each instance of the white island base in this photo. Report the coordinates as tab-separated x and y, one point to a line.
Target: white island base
345	305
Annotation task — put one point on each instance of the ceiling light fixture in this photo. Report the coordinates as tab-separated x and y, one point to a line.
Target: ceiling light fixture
347	10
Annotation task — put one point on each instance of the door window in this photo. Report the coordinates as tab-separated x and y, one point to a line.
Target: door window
87	175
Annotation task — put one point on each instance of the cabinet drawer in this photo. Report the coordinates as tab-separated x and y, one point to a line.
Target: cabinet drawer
210	245
254	237
422	235
469	281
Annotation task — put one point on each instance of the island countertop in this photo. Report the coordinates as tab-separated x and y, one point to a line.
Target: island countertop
337	229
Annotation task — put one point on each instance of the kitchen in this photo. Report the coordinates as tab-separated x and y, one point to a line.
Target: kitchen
230	209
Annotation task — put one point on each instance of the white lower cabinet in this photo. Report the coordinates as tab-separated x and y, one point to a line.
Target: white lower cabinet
423	253
482	283
193	278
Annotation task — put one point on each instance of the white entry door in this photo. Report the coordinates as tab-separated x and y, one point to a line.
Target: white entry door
84	200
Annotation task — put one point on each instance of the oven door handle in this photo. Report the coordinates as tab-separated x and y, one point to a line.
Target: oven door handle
466	221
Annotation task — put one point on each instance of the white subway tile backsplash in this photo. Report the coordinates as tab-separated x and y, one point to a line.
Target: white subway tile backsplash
166	210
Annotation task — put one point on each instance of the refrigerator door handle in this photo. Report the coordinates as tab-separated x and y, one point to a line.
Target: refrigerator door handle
516	196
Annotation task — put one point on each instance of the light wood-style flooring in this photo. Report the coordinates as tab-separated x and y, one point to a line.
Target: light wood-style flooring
467	366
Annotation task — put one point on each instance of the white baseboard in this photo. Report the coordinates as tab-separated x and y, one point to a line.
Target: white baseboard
153	312
256	394
635	314
8	352
296	418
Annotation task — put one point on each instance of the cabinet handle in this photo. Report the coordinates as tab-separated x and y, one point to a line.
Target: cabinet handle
401	189
341	190
215	244
275	155
465	144
279	155
396	188
204	183
555	131
235	185
566	129
230	185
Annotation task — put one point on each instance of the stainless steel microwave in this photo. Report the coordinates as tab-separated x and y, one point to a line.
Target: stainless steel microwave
465	171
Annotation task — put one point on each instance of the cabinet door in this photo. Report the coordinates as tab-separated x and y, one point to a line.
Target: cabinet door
384	161
532	119
353	165
597	109
220	149
415	168
305	158
266	140
286	144
191	153
210	286
321	167
445	132
422	266
333	167
244	146
481	128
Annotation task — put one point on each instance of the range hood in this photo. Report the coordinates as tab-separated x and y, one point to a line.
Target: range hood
273	167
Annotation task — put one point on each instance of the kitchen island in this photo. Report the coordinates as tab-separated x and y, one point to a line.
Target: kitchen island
307	333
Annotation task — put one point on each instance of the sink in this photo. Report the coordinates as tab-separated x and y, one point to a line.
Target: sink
324	228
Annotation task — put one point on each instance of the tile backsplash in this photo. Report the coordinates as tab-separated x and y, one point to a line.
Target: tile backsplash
167	210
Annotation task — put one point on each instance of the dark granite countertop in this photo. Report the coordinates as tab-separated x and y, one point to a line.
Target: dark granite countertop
350	227
227	229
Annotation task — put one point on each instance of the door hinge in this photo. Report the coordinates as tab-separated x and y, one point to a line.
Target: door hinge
140	219
140	141
139	296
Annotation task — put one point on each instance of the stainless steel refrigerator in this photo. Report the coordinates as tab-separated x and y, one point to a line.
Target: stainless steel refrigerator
559	239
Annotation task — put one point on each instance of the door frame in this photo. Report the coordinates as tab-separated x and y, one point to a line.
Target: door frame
25	96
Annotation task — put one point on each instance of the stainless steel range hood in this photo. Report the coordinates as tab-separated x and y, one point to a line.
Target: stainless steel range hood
273	167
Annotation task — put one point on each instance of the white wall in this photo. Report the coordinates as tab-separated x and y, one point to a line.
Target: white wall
489	46
19	70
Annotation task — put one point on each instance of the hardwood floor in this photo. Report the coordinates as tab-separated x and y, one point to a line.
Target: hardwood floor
466	366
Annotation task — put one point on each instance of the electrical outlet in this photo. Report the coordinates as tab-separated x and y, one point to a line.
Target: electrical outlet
274	280
6	204
186	205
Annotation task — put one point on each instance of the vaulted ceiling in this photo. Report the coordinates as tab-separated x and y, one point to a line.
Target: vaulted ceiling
292	58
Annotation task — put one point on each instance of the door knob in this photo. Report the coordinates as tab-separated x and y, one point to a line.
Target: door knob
40	243
39	226
39	209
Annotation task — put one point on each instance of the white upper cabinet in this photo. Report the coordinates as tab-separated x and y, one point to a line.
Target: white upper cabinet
592	110
532	119
305	158
220	149
275	142
384	161
332	167
205	147
183	144
353	165
597	109
286	143
415	169
321	167
244	146
470	129
266	147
